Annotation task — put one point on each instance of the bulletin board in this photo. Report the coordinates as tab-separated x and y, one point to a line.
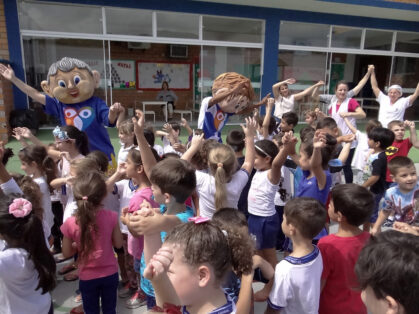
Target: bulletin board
123	74
150	75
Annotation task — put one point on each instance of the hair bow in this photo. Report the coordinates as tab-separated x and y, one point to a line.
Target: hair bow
61	135
198	219
20	207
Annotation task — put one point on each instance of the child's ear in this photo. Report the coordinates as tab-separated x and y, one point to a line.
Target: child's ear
392	178
393	307
167	198
340	217
140	169
204	275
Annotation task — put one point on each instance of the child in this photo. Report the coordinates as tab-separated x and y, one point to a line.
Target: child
95	231
387	271
266	124
393	106
400	199
27	268
288	122
351	205
362	150
263	219
375	169
189	268
126	138
36	163
310	118
223	185
400	146
284	101
296	286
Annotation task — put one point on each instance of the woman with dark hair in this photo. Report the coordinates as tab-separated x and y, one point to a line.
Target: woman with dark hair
166	94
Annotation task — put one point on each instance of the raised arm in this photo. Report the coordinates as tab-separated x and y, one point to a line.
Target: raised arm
117	176
146	154
319	141
114	111
274	175
412	129
186	125
9	74
308	91
268	117
374	84
414	96
363	81
250	132
350	126
276	87
196	143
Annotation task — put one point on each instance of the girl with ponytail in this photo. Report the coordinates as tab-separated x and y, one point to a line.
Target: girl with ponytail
92	232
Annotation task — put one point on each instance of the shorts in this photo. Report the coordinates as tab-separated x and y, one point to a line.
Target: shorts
265	229
377	199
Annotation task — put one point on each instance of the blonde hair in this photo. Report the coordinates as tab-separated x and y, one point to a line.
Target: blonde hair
84	165
222	163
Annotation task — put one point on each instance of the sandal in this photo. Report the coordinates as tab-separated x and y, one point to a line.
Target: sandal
77	298
66	269
77	310
71	276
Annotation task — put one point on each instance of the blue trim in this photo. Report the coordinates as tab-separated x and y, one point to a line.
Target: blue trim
20	99
273	306
270	57
379	3
305	259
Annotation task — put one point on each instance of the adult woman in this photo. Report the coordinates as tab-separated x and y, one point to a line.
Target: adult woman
165	94
341	105
393	106
284	100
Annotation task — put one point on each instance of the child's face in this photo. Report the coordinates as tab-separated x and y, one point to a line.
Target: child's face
158	194
183	277
261	162
285	127
63	146
374	305
398	131
406	178
28	168
126	139
309	119
130	168
304	159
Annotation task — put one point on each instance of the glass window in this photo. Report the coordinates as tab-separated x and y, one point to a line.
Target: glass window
177	25
229	29
346	37
60	18
378	40
293	33
129	22
407	42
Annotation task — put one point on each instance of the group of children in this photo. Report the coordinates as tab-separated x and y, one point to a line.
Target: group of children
194	224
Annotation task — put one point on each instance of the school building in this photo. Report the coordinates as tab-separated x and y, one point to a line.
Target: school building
137	44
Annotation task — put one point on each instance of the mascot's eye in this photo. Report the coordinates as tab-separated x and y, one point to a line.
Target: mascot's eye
85	113
77	79
62	83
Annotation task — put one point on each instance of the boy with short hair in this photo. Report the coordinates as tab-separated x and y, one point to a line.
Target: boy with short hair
401	198
296	287
400	146
375	169
388	274
288	122
351	205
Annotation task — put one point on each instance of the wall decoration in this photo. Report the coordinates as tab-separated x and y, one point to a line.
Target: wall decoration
150	75
123	74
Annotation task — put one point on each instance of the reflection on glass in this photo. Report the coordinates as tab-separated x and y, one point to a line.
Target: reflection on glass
378	40
407	42
230	29
128	22
406	73
295	33
60	18
346	37
178	25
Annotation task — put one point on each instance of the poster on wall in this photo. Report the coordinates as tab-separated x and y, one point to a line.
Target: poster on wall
123	74
151	75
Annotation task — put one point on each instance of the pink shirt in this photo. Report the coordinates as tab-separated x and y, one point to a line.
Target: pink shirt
136	245
352	105
101	261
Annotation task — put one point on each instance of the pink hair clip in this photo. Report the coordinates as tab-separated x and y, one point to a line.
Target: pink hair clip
198	219
84	198
20	207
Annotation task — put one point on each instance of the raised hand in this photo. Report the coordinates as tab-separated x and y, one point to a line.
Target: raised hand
116	108
250	128
271	101
7	72
320	83
409	124
139	122
266	98
319	139
159	263
291	80
197	141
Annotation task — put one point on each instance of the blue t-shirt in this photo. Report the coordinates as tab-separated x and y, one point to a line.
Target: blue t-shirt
212	120
90	116
405	206
146	285
309	187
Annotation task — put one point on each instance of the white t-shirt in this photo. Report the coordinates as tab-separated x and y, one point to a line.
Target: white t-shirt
296	287
283	105
286	185
48	217
158	149
361	152
388	112
205	186
260	200
126	190
10	187
18	281
123	153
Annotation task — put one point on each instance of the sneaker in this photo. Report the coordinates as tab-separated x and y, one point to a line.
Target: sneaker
137	300
126	291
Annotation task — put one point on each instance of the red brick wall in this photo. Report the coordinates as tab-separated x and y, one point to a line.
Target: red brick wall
6	94
156	52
